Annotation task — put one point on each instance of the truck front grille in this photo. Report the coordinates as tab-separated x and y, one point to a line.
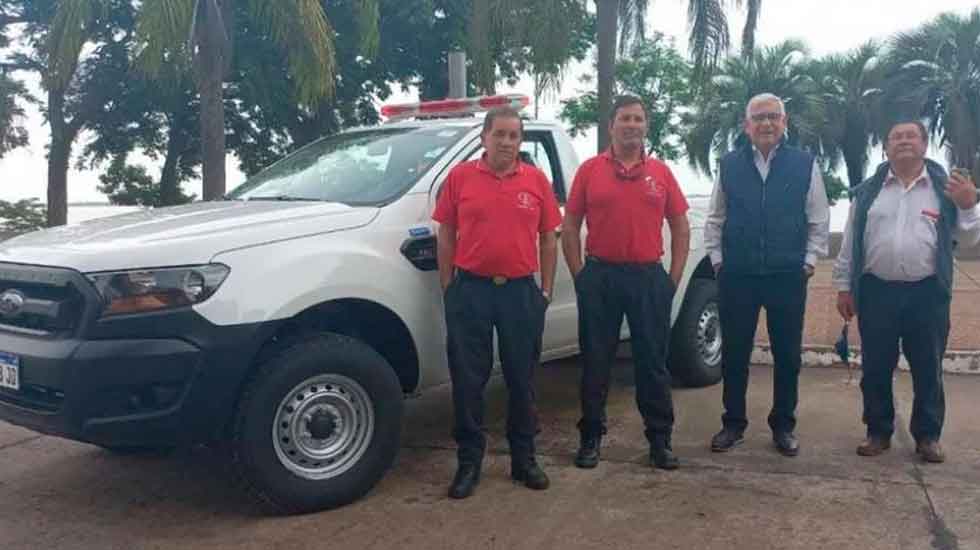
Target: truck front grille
40	300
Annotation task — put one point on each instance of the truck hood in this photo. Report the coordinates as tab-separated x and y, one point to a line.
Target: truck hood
180	235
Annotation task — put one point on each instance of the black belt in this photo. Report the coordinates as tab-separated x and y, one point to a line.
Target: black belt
886	282
598	260
498	280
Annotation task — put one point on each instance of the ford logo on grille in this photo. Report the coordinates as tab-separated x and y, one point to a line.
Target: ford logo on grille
11	303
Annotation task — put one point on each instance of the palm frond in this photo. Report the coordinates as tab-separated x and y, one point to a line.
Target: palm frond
632	23
70	28
752	11
301	29
162	32
368	14
709	37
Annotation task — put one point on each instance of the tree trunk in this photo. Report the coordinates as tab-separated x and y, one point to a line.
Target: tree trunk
58	157
855	172
608	13
211	63
748	32
169	186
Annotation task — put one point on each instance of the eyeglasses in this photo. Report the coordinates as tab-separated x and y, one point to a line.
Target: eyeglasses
762	117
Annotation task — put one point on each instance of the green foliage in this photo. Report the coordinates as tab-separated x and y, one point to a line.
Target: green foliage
851	85
126	184
716	125
657	73
935	73
21	216
12	132
507	35
836	187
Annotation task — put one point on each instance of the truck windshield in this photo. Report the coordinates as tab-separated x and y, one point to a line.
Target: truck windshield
359	168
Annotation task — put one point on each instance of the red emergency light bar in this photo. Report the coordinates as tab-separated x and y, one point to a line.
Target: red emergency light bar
449	107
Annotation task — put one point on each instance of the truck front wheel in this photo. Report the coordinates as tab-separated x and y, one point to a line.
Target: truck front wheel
318	425
695	348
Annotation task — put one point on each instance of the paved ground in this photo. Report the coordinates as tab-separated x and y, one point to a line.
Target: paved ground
56	494
823	323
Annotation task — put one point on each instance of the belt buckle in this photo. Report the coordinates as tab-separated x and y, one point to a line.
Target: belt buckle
499	280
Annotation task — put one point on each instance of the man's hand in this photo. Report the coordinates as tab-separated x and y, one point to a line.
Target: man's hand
809	270
845	305
961	190
717	268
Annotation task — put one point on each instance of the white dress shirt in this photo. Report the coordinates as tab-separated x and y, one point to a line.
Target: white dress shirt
901	236
817	213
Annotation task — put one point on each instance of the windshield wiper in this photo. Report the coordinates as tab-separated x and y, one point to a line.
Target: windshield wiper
285	198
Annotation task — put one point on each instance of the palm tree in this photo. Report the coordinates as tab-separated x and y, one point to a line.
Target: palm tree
202	30
716	125
937	75
491	23
851	87
708	40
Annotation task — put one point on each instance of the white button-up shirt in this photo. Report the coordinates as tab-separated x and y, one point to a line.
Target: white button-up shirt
817	213
902	235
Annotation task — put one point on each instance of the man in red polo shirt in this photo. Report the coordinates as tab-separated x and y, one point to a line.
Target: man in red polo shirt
624	196
497	219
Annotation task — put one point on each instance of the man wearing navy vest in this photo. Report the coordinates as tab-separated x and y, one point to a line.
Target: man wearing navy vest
895	272
767	224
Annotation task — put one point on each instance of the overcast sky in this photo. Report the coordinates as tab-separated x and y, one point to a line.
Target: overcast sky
825	25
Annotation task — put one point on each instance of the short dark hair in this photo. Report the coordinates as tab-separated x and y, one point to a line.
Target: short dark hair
623	101
918	124
501	112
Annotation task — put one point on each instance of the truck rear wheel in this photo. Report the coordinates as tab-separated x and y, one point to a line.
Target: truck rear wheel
318	425
695	348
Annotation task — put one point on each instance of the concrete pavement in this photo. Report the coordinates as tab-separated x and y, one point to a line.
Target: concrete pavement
56	494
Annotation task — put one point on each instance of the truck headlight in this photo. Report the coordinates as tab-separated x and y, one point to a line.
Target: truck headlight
154	289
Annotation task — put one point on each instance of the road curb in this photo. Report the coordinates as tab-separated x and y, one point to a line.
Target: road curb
954	362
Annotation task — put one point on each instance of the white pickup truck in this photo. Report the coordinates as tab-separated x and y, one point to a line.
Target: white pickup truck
289	320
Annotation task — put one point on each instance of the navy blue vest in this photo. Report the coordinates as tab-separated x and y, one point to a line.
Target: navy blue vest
766	226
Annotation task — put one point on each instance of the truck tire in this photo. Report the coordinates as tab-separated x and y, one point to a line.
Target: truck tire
318	425
695	348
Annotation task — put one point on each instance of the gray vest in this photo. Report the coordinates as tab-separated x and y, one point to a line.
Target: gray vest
864	196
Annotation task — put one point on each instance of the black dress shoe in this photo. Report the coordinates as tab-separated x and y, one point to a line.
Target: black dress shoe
786	443
465	482
531	475
662	457
588	452
726	440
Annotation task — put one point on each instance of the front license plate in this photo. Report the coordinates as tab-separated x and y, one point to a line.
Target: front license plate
9	371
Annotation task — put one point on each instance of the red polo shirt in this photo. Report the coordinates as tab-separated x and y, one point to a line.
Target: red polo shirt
625	209
497	219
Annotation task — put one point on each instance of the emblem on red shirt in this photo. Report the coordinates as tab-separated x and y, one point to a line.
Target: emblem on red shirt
653	188
525	200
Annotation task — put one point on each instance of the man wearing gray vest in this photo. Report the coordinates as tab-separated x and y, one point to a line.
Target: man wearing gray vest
767	224
895	272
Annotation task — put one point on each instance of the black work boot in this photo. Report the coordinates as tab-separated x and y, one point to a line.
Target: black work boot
661	454
466	480
530	474
588	451
726	440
